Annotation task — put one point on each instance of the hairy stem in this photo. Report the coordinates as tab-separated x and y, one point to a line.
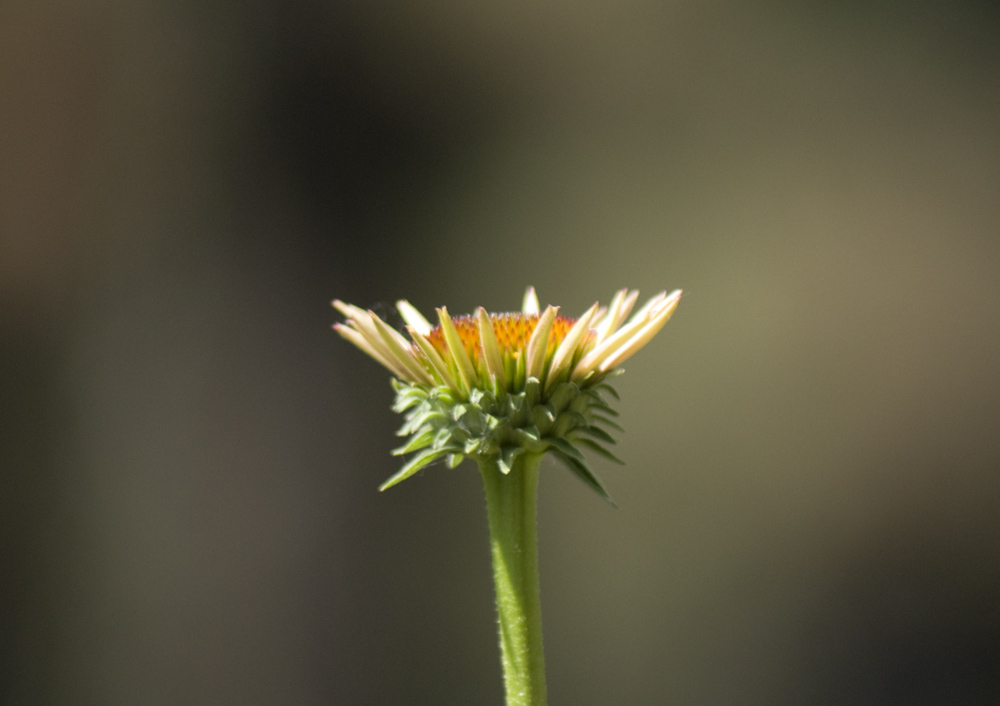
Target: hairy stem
512	501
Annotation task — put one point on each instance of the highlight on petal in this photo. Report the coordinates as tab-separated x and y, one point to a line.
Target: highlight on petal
530	305
434	358
359	340
456	350
413	318
361	322
658	317
567	349
401	349
491	351
658	309
618	310
538	345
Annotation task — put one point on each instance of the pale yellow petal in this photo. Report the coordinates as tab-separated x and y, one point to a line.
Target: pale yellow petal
530	305
456	350
659	316
362	321
538	344
401	349
610	346
413	318
491	349
361	342
619	309
436	361
567	349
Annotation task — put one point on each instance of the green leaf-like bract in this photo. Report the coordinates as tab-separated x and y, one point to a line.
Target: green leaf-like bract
440	426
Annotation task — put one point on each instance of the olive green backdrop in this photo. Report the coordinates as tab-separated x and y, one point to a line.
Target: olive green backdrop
189	455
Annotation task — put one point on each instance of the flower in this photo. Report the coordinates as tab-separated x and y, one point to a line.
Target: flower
500	385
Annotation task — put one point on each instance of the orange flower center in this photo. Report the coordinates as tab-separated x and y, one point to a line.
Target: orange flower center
513	331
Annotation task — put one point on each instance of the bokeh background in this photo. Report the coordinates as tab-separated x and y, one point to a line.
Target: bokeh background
189	457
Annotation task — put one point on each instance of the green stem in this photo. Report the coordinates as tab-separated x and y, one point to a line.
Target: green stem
511	502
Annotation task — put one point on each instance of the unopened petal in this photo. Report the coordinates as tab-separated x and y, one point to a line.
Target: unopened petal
567	349
530	305
413	318
400	348
648	306
659	316
611	346
436	361
538	345
618	311
456	350
361	342
362	321
491	350
348	310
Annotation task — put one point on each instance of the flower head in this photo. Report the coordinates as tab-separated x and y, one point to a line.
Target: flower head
501	385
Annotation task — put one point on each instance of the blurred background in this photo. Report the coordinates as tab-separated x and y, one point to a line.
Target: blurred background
189	455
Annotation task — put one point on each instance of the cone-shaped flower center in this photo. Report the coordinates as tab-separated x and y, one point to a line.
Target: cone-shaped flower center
513	331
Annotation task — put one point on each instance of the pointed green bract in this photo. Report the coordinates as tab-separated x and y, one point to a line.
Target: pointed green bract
503	427
583	472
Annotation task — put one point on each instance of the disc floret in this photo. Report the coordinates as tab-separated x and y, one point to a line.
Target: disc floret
498	386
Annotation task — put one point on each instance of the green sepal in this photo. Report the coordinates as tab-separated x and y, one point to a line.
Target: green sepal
598	433
406	396
420	417
562	395
422	459
454	460
593	445
603	408
561	446
597	402
532	392
611	391
417	442
447	434
581	471
603	420
526	436
507	458
405	401
543	417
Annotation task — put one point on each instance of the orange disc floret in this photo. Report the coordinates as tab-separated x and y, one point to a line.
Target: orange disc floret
513	331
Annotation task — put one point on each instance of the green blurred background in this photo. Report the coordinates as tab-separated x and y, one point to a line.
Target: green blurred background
189	457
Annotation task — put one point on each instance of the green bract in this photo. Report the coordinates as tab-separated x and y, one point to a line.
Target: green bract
505	426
